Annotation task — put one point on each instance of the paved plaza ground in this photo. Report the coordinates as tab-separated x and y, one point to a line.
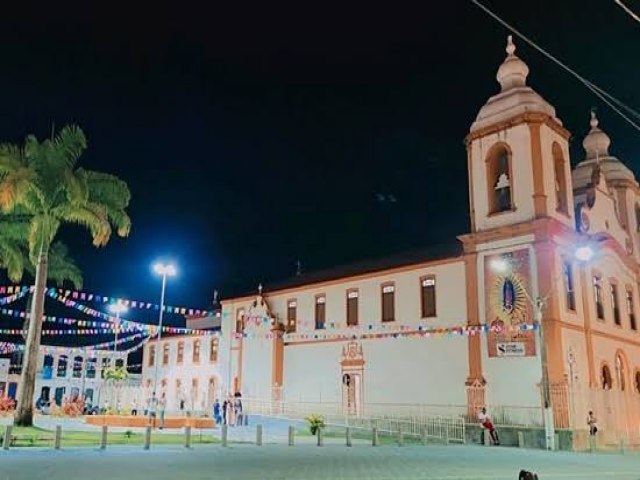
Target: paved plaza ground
277	461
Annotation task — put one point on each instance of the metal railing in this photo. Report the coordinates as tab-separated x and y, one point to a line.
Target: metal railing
410	420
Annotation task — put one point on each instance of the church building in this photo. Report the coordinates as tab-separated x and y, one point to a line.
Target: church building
458	329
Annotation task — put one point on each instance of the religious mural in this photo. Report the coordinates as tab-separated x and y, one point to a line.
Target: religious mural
507	305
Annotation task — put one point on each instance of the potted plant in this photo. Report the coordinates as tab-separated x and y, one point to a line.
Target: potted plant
316	422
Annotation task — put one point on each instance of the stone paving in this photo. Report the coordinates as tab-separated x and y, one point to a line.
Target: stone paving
306	462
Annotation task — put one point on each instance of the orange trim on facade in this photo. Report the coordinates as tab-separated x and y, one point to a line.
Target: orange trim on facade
539	196
472	209
528	118
473	318
588	336
277	366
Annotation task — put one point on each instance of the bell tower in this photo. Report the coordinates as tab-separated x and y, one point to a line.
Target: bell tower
518	155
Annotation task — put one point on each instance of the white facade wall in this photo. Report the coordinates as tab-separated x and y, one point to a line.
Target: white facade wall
192	385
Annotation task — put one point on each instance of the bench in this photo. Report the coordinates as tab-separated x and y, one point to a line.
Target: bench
27	438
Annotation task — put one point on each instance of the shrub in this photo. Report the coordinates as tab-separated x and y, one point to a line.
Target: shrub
7	404
315	423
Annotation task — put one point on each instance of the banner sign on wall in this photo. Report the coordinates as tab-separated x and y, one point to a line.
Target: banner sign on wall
507	305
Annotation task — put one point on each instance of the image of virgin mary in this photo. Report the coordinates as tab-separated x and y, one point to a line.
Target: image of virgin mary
508	295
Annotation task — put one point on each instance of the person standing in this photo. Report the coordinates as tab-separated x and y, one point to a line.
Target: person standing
592	422
225	406
153	404
488	426
134	407
162	407
237	409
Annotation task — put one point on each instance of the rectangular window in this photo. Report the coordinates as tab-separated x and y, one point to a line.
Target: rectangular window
292	307
196	351
615	304
352	308
106	362
165	354
568	286
597	295
320	311
152	355
194	388
428	296
180	358
388	303
213	349
631	310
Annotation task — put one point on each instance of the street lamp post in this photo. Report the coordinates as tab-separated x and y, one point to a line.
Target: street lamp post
165	271
117	308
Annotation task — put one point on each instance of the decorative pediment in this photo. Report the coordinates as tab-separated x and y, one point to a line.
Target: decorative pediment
597	211
352	355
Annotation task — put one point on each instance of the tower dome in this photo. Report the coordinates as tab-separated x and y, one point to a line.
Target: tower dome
513	72
596	143
515	97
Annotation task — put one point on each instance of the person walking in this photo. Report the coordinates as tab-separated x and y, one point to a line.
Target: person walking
134	408
225	407
485	421
216	412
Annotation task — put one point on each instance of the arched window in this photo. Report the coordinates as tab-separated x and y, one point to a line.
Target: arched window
637	381
559	168
499	179
152	355
607	382
621	372
62	366
77	366
637	210
196	351
213	349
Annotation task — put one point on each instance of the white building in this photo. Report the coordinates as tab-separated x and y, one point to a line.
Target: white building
356	336
188	368
62	374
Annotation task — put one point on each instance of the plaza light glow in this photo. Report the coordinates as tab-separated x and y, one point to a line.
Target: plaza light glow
117	308
500	265
164	270
584	253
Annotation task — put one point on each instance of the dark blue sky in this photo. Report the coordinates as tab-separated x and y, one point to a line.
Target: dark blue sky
253	136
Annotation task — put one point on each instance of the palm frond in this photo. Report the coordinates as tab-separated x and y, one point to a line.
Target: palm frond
91	216
61	267
12	259
71	142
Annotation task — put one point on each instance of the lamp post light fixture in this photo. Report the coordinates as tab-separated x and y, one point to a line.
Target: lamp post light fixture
583	253
164	270
118	309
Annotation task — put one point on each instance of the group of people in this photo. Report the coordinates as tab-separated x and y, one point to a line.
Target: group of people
230	411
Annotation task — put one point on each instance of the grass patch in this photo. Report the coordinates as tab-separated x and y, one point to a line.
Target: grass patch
39	437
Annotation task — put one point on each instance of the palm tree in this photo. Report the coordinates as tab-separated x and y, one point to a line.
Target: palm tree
42	188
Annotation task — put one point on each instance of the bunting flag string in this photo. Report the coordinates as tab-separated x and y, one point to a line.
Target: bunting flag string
51	349
125	323
400	331
16	296
91	331
70	321
103	299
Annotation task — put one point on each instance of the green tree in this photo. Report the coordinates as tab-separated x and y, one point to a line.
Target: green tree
42	188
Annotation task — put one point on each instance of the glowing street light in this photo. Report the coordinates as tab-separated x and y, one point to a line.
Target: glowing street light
165	270
584	253
117	308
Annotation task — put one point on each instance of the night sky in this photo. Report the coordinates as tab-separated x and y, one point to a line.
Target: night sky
256	135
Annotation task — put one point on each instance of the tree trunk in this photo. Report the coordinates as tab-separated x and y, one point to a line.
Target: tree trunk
25	326
24	410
